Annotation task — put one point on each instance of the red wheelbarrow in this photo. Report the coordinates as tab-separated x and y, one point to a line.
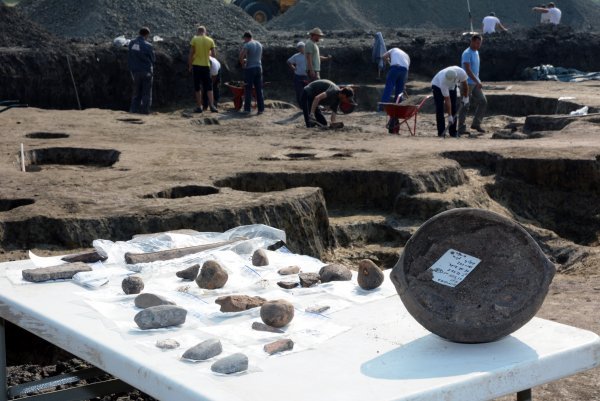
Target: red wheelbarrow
238	92
401	114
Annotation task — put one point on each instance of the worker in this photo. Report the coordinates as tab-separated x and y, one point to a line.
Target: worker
215	77
399	62
251	60
325	92
313	55
553	13
201	49
492	24
470	63
141	59
444	86
297	64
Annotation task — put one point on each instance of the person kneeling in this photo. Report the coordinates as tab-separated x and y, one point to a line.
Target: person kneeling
325	92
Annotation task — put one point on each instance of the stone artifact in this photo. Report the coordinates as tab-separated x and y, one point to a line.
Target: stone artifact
232	364
277	313
334	272
212	276
286	271
168	343
317	309
66	271
147	300
238	303
472	276
279	346
134	258
132	285
288	285
85	257
258	326
260	258
370	275
308	279
156	317
203	351
190	273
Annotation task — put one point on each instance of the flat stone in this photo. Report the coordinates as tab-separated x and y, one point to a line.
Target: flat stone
203	351
277	313
279	346
168	343
238	303
370	275
308	279
232	364
132	285
66	271
288	285
334	272
502	293
258	326
190	273
212	276
147	300
317	309
260	258
286	271
156	317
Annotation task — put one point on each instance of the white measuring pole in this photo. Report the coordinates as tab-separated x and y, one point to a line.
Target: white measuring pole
22	158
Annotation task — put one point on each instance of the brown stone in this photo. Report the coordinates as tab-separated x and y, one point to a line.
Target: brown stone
132	285
277	313
288	285
308	279
190	273
147	300
334	272
66	271
258	326
370	275
286	271
238	303
279	346
212	276
260	258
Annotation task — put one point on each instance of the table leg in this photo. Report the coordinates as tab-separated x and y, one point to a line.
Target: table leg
3	382
524	395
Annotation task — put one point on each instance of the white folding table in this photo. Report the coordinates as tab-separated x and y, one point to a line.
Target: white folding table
385	356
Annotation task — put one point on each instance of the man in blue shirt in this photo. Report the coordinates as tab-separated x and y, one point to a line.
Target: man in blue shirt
141	61
470	63
251	60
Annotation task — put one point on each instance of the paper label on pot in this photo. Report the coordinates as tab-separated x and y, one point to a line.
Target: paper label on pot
452	268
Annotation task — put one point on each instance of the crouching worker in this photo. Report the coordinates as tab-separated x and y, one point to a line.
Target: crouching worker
444	86
326	93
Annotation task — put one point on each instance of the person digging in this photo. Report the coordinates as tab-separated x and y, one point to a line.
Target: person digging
325	92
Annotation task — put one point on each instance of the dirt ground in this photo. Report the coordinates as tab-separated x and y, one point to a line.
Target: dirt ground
170	148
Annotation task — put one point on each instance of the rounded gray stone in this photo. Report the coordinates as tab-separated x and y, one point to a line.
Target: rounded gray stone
168	343
308	279
132	285
369	275
232	364
502	293
204	350
147	300
286	271
156	317
334	272
277	313
260	258
212	276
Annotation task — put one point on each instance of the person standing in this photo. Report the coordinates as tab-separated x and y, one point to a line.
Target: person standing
552	13
470	63
313	55
215	77
396	77
444	85
251	60
492	24
141	59
201	49
298	65
323	91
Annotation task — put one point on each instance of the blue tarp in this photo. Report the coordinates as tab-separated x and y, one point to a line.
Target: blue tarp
379	50
548	72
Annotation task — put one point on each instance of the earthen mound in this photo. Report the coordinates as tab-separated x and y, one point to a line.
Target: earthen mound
17	30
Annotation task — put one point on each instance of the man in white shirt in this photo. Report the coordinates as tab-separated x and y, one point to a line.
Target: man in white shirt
297	64
492	24
551	12
215	76
396	77
444	86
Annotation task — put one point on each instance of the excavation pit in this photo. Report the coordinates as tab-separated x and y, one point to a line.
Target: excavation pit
71	156
10	204
184	192
47	135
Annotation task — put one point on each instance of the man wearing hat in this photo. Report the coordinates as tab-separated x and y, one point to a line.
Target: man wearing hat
492	24
251	61
444	86
325	92
298	65
313	57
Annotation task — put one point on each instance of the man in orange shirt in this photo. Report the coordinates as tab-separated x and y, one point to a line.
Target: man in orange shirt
201	49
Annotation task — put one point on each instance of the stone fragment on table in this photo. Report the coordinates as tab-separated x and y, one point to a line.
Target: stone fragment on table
147	300
66	271
204	350
212	276
277	313
260	258
308	279
286	271
190	273
232	364
132	285
334	272
370	275
168	343
279	346
317	309
239	303
258	326
156	317
288	285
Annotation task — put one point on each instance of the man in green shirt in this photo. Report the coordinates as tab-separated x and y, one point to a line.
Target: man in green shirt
201	49
313	56
325	92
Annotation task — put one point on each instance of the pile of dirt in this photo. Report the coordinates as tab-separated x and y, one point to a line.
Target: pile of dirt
107	19
17	30
357	14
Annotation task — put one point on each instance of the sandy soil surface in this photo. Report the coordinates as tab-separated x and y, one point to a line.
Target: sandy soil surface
177	148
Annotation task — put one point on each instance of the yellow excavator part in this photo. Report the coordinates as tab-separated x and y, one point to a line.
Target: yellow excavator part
285	4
